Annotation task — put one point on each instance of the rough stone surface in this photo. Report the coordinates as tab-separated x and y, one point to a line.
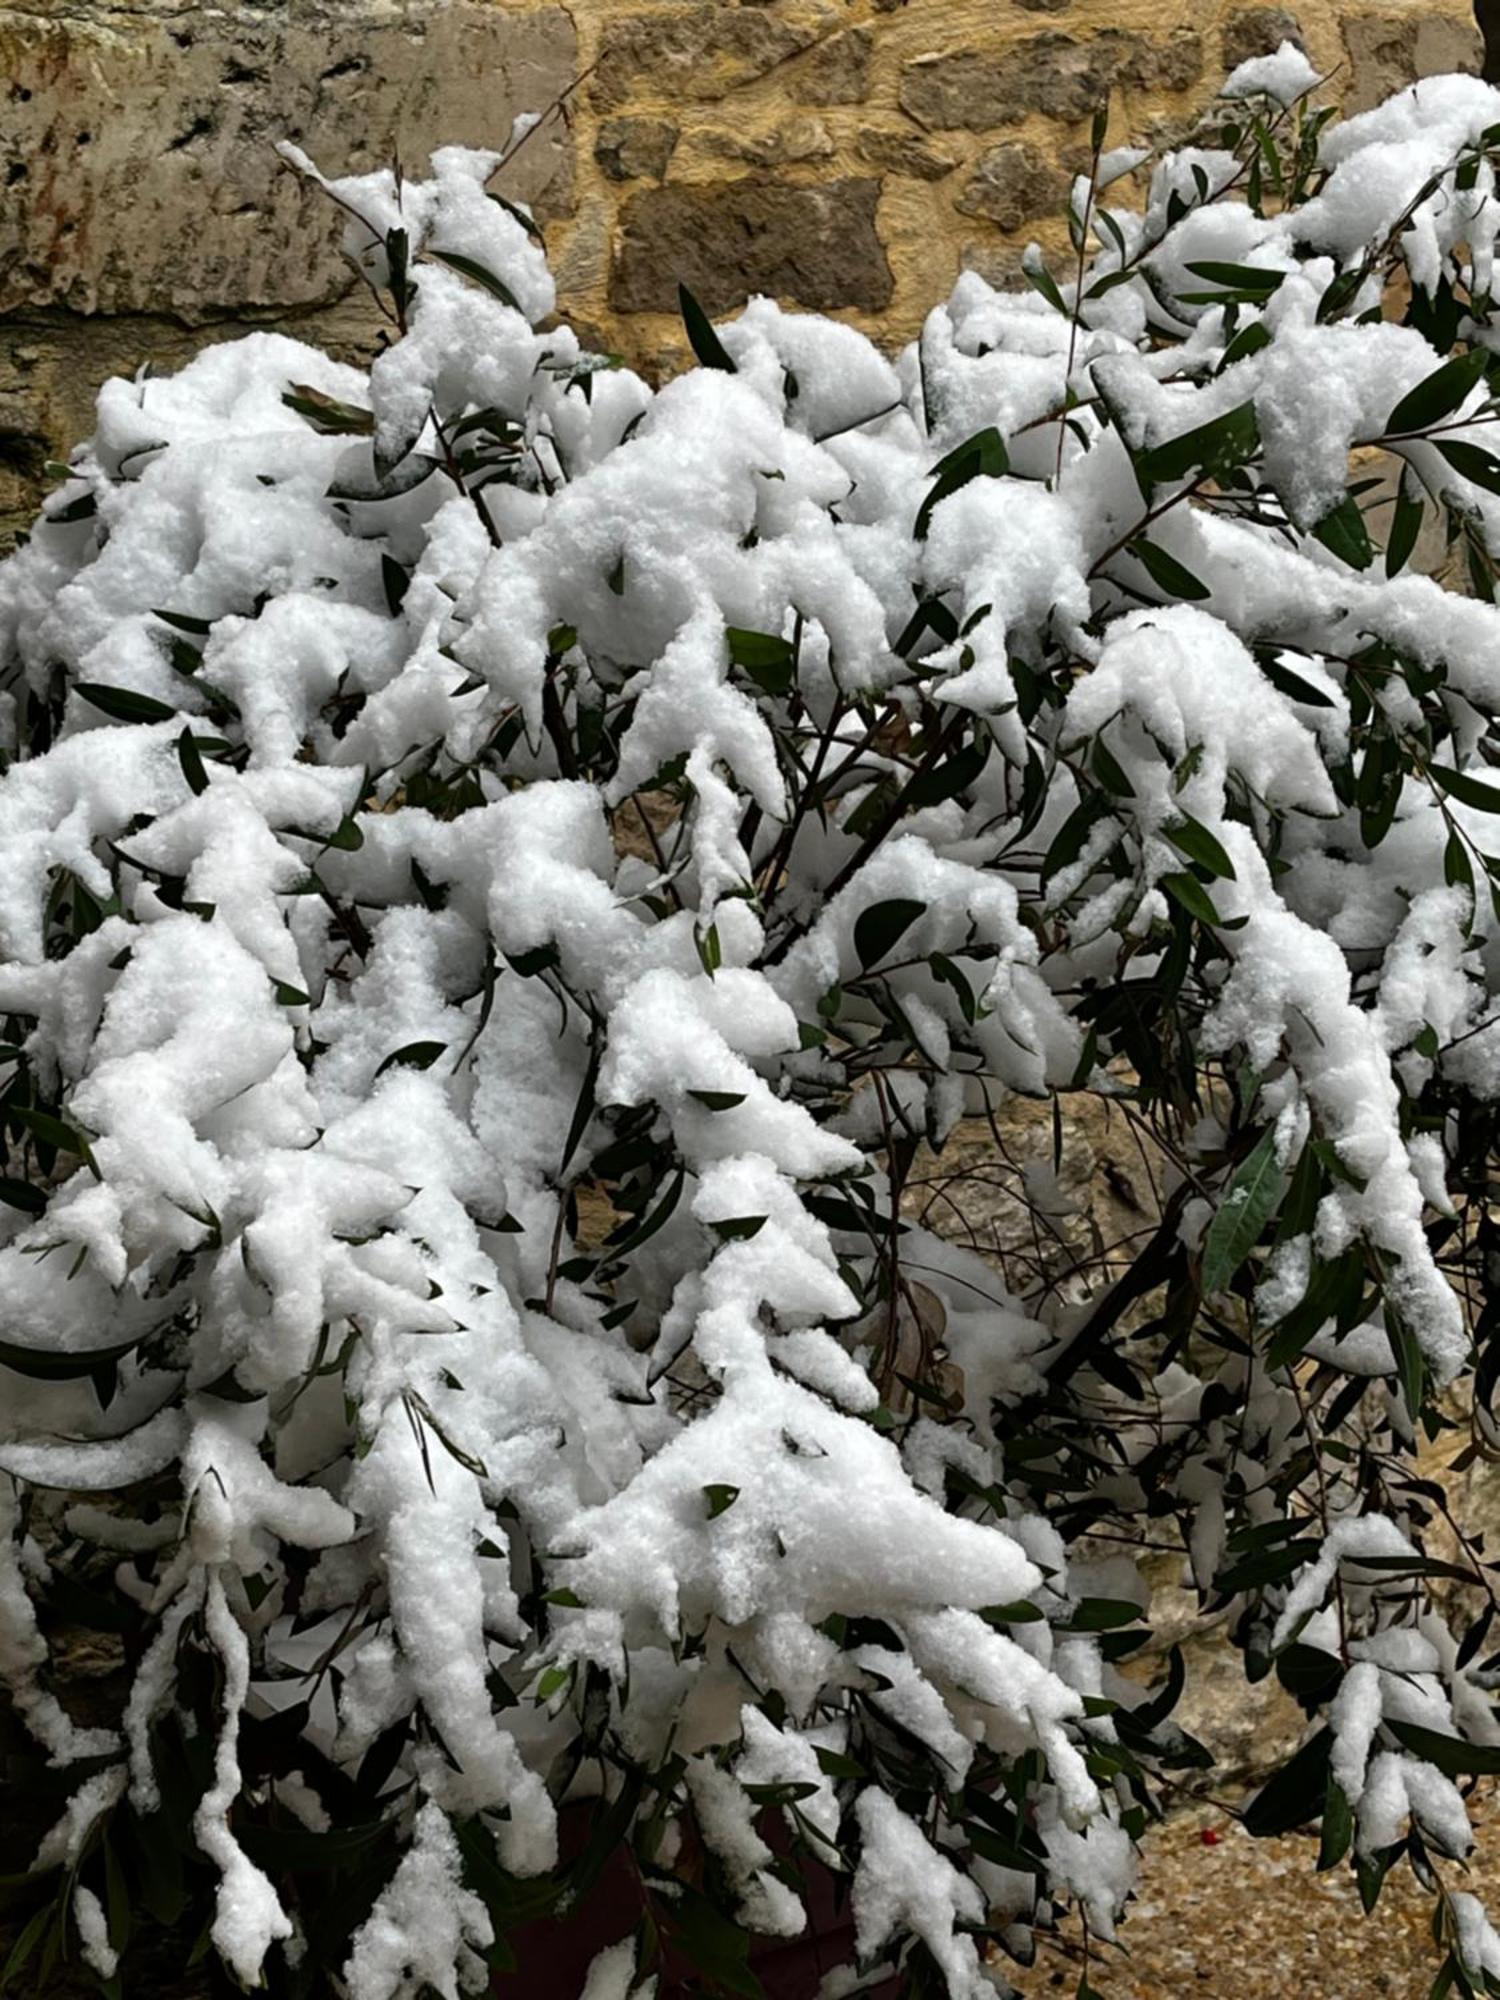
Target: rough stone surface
1258	31
1387	51
693	52
903	151
144	213
816	245
802	138
629	149
1013	184
1061	76
837	71
141	158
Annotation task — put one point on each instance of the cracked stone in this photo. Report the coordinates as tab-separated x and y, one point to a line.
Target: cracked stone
815	245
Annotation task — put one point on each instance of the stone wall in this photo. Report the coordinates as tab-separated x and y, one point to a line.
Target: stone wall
848	155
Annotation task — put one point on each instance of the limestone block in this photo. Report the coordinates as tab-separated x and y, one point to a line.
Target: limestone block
139	150
816	245
1061	76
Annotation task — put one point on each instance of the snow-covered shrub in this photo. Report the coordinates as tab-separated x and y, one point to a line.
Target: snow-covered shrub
501	874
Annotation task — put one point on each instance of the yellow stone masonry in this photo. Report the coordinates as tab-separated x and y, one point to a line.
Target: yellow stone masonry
969	115
846	155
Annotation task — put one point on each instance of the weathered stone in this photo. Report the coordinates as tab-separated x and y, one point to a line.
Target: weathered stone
702	52
803	138
52	363
1389	51
1045	6
1058	75
1013	184
902	152
837	71
627	149
816	245
141	165
1258	31
998	264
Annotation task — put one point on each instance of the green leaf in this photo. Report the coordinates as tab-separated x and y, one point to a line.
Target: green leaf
468	267
981	456
946	780
880	925
1338	1828
1107	769
1188	891
712	1942
1468	791
292	996
1453	1755
1249	280
768	661
24	1948
1190	837
1166	572
710	952
1036	274
528	964
192	763
1438	396
182	621
395	581
1020	1613
1344	534
1290	1798
1249	1202
717	1100
738	1228
84	508
704	342
1102	1614
1249	340
1471	462
21	1194
517	213
834	1764
1406	525
1411	1368
54	1365
51	1131
720	1499
1071	837
1230	440
1293	685
415	1055
327	414
963	992
346	836
124	704
631	1234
